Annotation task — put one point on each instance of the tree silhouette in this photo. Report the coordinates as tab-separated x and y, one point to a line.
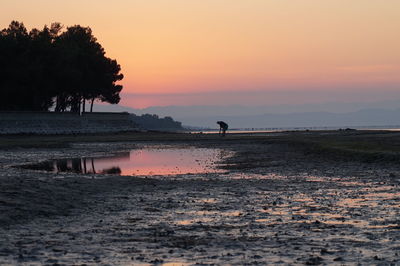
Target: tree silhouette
14	69
86	72
43	68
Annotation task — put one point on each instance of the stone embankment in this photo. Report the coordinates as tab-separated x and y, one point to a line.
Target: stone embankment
64	123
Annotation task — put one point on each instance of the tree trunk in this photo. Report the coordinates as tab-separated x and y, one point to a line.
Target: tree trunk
76	104
58	106
61	104
91	105
78	107
83	105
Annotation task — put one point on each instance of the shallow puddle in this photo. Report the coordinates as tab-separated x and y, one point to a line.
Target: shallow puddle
169	161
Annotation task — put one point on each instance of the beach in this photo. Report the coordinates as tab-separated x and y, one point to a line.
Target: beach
325	197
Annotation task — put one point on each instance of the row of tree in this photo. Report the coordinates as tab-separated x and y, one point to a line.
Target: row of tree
55	69
153	122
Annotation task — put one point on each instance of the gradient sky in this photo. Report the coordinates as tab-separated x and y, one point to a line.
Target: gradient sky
237	51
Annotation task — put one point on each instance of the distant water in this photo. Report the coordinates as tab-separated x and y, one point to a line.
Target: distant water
280	129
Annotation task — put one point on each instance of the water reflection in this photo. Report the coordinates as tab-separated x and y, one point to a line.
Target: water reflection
139	162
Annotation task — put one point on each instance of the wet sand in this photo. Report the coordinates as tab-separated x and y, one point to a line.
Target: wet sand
280	201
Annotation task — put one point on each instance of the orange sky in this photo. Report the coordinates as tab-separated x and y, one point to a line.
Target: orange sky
183	46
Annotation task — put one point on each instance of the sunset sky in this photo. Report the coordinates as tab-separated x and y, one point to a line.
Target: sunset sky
186	52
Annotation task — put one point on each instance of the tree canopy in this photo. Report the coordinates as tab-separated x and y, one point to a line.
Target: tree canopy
54	68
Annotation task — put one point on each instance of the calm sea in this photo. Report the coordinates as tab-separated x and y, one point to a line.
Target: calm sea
272	130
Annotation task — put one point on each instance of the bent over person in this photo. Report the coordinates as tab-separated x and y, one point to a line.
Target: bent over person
223	127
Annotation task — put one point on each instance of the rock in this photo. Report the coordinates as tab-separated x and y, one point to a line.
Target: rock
314	261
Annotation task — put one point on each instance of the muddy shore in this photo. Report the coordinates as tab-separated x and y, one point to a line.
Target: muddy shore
291	198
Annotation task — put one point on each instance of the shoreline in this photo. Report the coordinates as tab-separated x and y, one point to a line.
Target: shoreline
292	202
364	145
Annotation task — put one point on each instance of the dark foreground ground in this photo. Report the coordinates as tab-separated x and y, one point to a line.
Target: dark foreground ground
290	198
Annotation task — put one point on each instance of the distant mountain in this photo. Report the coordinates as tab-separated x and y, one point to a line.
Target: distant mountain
113	108
346	115
239	110
153	122
373	117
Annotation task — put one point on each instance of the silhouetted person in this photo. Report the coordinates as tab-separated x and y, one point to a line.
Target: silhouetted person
223	127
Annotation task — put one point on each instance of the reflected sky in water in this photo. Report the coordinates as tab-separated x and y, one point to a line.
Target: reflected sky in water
171	161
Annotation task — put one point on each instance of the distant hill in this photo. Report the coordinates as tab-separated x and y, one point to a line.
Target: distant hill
241	110
113	108
267	116
153	122
362	118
